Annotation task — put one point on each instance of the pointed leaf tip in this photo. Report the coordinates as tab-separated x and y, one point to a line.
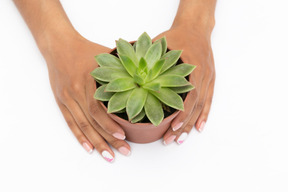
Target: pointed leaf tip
163	42
171	59
125	48
153	54
144	42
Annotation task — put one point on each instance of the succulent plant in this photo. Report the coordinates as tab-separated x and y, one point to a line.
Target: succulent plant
141	79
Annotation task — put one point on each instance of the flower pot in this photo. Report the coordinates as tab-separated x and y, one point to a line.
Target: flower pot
144	132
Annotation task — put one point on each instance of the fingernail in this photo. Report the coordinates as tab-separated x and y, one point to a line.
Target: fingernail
177	126
169	140
87	147
182	137
119	136
201	126
124	151
107	156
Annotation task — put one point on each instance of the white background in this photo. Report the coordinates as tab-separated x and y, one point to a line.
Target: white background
243	146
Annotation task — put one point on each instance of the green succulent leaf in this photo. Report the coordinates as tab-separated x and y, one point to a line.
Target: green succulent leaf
134	46
153	54
138	117
118	101
152	86
182	89
171	58
122	110
128	64
121	84
101	82
108	74
136	102
138	79
183	70
125	48
143	44
153	109
170	98
101	95
142	66
164	44
171	81
108	60
142	79
154	72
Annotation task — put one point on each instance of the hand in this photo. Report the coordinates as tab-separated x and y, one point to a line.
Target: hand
196	51
70	61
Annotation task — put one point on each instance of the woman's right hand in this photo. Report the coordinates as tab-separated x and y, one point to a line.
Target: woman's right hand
70	60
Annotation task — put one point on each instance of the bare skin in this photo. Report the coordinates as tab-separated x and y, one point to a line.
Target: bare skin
191	32
69	58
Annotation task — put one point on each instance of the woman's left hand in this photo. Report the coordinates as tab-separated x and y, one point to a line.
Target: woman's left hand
197	51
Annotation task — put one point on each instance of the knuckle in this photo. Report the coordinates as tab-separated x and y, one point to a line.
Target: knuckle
63	95
76	87
99	145
80	138
93	109
83	126
115	142
200	105
95	124
189	126
199	68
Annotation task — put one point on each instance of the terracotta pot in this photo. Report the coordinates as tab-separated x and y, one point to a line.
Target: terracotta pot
143	132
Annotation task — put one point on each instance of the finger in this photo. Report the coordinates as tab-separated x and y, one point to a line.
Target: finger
181	120
75	129
201	121
97	141
121	145
190	101
179	135
99	114
182	134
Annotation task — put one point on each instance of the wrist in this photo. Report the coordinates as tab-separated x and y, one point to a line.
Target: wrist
196	15
52	42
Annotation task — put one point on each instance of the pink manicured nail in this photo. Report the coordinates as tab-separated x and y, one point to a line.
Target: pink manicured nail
202	126
124	151
182	137
107	156
119	136
87	147
177	126
169	140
